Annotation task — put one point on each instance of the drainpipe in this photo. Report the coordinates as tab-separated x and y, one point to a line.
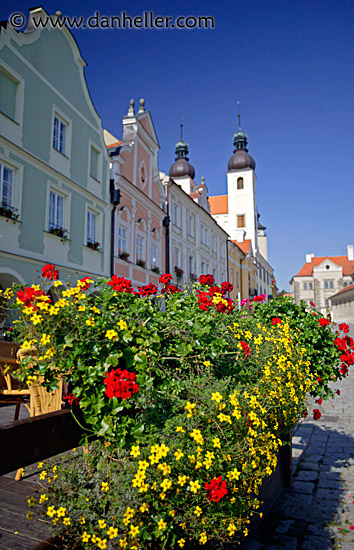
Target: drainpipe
115	200
227	262
166	223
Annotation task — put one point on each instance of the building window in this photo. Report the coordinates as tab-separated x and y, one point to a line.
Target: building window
94	163
8	92
328	284
177	257
232	275
239	183
241	220
59	135
153	256
202	268
56	211
305	286
139	248
326	303
190	226
176	214
345	284
6	185
310	286
122	239
214	244
191	265
206	236
236	279
91	227
214	273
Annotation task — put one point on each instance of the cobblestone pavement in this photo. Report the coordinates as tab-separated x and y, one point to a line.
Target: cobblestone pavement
317	512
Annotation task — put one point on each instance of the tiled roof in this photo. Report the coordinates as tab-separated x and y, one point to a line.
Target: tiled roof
244	246
218	204
345	289
307	269
116	144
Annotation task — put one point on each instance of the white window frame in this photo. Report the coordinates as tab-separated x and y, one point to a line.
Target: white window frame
122	227
55	188
20	93
57	221
98	178
94	209
176	212
60	132
56	155
91	226
191	265
177	256
4	166
190	225
154	255
141	246
305	285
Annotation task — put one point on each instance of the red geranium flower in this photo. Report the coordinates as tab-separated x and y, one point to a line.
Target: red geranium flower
84	280
165	278
338	392
305	413
168	288
207	280
319	379
319	401
316	414
312	304
323	322
344	369
276	321
147	290
121	284
70	398
49	272
340	343
245	348
120	383
216	489
344	327
226	287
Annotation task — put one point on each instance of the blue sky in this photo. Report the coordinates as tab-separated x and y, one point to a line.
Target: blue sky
290	64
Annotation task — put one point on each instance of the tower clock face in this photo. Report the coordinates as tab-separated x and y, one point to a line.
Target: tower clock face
240	202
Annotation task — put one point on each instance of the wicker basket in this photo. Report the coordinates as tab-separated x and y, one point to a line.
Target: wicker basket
43	402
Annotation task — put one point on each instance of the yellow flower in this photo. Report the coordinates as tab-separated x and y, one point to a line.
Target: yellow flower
203	538
90	322
85	537
45	339
144	507
51	511
111	335
166	484
43	498
101	543
122	324
43	475
172	513
61	512
189	408
66	521
216	397
57	283
112	533
195	485
36	319
82	520
31	502
101	523
231	529
135	451
216	442
182	480
206	363
162	524
81	308
104	487
181	542
134	531
198	511
180	429
123	543
29	515
179	454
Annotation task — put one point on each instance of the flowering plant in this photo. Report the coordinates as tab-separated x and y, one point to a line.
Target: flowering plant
189	398
94	245
59	232
179	271
8	212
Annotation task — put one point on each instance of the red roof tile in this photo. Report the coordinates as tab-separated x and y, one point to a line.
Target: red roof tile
218	204
307	269
244	246
350	287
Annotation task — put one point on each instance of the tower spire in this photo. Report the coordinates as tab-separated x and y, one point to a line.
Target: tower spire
239	115
181	125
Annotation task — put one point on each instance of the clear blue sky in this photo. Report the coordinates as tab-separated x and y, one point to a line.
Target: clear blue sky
290	64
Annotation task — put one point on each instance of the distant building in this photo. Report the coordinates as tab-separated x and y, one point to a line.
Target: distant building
196	243
342	305
321	277
237	214
138	224
54	194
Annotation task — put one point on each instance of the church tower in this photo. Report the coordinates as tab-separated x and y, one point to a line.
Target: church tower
241	191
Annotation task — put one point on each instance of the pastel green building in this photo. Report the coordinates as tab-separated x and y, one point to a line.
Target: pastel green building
54	187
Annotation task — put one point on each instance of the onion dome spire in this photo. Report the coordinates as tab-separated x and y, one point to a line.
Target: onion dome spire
240	159
182	167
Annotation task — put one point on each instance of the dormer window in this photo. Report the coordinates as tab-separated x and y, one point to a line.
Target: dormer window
240	183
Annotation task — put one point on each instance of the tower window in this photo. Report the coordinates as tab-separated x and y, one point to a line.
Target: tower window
241	220
239	183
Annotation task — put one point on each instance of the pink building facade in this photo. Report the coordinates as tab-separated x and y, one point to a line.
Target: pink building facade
138	223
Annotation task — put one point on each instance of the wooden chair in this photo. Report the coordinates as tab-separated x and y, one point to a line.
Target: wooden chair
11	391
